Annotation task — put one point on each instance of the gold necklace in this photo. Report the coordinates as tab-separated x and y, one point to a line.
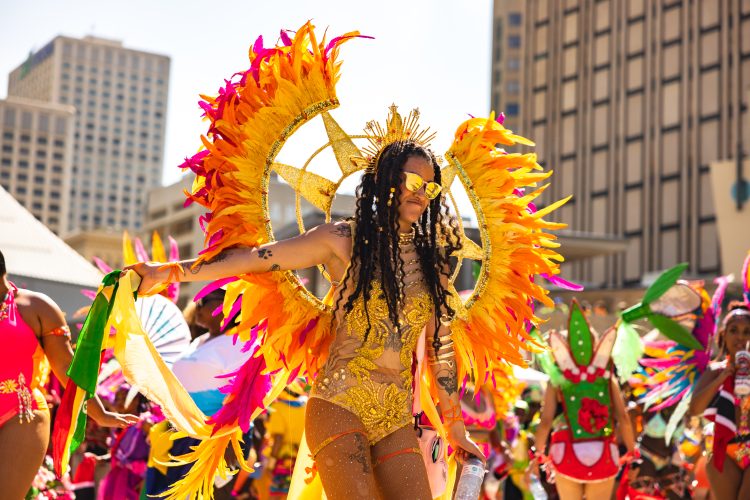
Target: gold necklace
4	307
406	238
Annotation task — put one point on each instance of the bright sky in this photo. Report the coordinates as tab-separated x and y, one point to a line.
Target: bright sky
434	55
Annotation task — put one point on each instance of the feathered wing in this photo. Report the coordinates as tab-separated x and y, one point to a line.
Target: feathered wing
673	368
284	326
518	249
249	121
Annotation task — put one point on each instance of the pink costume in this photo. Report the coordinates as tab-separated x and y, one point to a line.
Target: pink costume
484	420
23	365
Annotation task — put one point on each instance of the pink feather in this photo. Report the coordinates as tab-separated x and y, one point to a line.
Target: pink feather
558	281
214	285
245	391
140	252
103	267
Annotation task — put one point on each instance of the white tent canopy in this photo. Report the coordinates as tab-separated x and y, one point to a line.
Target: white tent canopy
32	250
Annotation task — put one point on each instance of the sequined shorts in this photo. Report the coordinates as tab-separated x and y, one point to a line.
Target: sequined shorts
382	408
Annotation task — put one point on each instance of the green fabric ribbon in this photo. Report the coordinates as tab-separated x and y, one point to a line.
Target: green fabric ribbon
84	368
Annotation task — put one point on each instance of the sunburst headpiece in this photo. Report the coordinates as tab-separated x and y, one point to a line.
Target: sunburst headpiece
396	129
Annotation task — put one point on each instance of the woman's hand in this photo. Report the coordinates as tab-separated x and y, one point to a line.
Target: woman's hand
104	418
460	441
153	274
109	419
728	370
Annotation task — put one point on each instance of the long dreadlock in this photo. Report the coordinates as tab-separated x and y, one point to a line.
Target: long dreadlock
376	237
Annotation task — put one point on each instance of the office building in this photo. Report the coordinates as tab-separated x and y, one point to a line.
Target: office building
36	157
120	98
629	102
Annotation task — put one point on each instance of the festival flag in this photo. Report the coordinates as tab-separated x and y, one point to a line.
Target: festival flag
70	421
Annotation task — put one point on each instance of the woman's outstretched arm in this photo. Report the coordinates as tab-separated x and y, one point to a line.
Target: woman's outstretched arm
319	245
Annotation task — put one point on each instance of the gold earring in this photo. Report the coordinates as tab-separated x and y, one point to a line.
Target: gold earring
390	197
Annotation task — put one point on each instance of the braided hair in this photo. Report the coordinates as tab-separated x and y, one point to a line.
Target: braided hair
376	253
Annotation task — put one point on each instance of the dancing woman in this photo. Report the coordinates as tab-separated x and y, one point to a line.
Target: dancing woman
35	336
582	405
714	397
390	263
392	330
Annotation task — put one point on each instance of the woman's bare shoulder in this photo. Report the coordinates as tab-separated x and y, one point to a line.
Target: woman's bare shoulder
39	305
37	300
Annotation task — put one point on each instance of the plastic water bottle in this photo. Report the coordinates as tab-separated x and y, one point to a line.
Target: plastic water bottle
742	374
470	483
536	489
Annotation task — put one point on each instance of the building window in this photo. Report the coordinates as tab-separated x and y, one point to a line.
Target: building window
514	41
511	109
514	63
514	19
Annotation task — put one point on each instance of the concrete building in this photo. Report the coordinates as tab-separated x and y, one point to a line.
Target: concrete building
120	97
732	207
101	243
507	60
630	102
36	157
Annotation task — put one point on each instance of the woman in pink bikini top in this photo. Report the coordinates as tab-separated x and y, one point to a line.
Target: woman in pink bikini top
480	418
34	336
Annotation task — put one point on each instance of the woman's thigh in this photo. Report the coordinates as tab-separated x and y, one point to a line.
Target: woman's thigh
600	490
342	452
724	484
569	489
399	467
22	450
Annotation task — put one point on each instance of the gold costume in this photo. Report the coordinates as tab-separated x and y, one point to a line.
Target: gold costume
373	378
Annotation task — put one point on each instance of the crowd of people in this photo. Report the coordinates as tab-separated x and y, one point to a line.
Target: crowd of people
518	425
394	385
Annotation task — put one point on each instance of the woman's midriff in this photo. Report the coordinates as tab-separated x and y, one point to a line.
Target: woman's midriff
370	373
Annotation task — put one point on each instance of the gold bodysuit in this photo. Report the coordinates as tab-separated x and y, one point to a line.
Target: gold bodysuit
373	378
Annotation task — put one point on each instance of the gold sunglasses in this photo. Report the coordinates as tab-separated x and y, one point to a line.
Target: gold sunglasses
414	183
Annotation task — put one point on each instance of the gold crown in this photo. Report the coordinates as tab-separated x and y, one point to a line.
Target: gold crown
396	129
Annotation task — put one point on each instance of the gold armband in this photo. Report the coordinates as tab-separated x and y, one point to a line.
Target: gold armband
441	350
